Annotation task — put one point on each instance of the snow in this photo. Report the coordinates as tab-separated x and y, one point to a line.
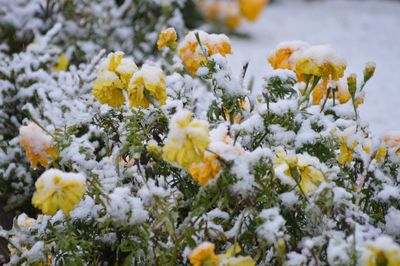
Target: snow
51	179
361	31
271	230
392	220
124	208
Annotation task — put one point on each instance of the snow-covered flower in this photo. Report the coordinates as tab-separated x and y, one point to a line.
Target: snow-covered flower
381	153
38	145
24	220
204	254
319	61
347	145
58	190
251	9
167	38
147	86
62	63
300	168
392	138
381	251
206	170
279	57
113	77
191	53
187	140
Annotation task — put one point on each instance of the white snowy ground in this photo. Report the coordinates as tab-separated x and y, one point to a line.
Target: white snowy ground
361	31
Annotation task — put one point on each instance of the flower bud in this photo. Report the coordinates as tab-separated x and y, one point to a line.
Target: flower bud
352	84
369	71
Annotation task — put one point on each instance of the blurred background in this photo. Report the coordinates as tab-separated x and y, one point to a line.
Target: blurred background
360	30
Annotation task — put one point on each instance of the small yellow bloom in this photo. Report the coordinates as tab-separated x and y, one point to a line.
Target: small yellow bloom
382	251
38	145
24	220
229	259
113	77
381	153
187	140
204	171
147	86
319	61
204	255
191	53
251	9
347	145
167	38
62	63
152	147
58	190
279	57
309	176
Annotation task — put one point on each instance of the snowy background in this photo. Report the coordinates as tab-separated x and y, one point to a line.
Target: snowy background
361	31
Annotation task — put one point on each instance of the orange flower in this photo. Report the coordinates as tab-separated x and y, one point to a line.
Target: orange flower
204	171
204	254
223	12
191	54
251	9
38	145
279	58
392	138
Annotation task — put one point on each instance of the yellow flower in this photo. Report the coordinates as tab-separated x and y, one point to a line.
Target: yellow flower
381	153
319	61
62	63
251	9
152	147
229	259
206	170
107	89
191	54
167	38
309	176
279	57
147	86
38	145
187	140
347	145
113	77
204	255
58	190
382	251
